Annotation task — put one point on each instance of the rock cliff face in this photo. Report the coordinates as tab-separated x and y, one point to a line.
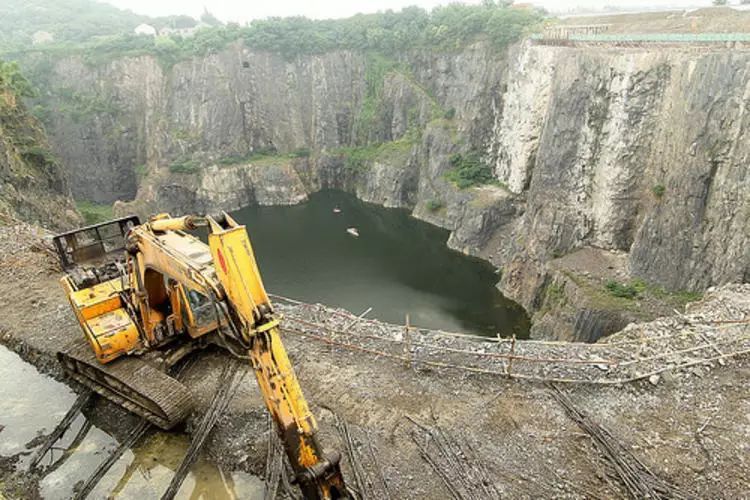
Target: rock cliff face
33	187
638	152
132	114
635	157
633	151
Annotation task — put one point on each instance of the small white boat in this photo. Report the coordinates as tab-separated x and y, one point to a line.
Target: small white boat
353	231
337	210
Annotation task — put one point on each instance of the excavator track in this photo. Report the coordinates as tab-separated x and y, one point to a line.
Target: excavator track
130	382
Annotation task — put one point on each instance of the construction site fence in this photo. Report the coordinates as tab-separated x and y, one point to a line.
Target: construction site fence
609	363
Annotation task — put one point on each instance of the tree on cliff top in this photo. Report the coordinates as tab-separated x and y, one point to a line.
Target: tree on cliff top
449	27
174	22
12	79
210	19
66	20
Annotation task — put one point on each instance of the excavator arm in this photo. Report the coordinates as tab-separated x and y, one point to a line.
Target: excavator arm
319	476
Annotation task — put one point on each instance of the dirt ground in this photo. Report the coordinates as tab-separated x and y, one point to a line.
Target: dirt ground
431	432
708	20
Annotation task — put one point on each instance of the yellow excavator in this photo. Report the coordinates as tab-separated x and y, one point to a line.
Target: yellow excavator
146	295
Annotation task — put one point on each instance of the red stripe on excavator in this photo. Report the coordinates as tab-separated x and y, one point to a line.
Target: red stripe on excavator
221	260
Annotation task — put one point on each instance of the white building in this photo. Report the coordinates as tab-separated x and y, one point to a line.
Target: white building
41	37
145	29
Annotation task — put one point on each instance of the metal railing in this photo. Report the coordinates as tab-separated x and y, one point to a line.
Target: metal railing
573	38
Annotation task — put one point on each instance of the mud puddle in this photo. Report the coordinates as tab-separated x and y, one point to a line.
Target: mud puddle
31	405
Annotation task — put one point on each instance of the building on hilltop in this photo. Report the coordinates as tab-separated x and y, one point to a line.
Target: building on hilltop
145	29
41	37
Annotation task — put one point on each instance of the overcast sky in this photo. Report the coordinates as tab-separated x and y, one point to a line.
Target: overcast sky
246	10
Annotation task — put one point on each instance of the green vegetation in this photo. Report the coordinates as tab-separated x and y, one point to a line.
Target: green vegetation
637	288
556	293
373	112
261	156
469	170
554	298
434	205
94	213
623	290
174	22
300	153
447	27
210	19
639	297
658	190
66	20
80	106
41	113
264	155
12	79
376	68
680	297
67	23
357	158
23	133
102	32
239	159
140	172
172	48
185	166
38	155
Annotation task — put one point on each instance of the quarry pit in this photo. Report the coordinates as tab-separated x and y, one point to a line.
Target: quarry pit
439	414
602	182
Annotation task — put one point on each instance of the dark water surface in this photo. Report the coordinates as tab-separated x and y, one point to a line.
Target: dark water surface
33	404
398	265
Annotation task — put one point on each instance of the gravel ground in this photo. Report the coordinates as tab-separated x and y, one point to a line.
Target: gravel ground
420	430
708	20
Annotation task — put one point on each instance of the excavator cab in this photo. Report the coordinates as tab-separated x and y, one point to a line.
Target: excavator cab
94	244
90	254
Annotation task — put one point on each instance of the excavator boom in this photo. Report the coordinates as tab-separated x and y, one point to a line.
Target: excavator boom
319	476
